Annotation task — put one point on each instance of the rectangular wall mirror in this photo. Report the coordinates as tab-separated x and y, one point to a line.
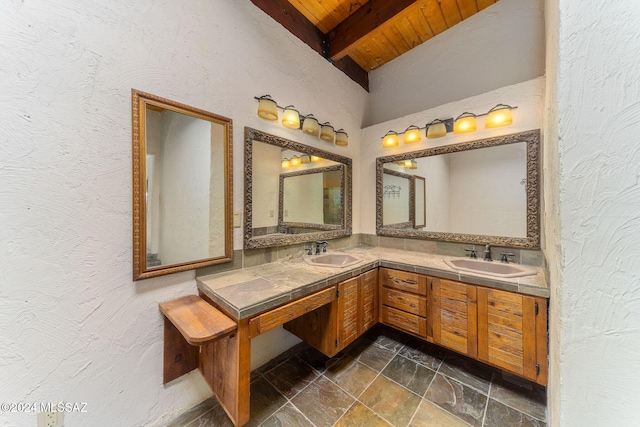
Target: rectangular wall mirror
294	193
182	190
484	191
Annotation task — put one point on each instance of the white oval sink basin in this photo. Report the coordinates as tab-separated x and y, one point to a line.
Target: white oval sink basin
333	259
492	268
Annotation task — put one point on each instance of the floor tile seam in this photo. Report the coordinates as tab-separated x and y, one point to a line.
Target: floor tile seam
519	410
465	384
294	407
345	390
345	413
372	381
295	395
421	364
423	394
486	404
397	383
374	411
201	415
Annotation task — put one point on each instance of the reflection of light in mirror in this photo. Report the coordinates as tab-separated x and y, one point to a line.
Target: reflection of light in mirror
295	161
315	159
285	163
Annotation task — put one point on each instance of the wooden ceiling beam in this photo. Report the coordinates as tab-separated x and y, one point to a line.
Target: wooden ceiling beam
293	20
361	23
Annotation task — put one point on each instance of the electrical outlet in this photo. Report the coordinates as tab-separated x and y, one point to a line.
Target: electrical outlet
236	219
50	419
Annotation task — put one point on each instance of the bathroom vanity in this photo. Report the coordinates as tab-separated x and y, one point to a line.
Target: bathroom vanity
501	322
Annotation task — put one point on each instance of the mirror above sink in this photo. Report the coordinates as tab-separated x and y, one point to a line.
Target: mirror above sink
294	193
484	191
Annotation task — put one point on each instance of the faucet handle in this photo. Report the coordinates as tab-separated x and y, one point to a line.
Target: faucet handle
324	246
505	255
474	252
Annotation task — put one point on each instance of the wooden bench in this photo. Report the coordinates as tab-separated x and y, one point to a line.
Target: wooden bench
190	322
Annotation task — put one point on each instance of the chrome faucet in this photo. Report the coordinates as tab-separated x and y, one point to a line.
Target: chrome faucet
487	253
474	252
321	247
505	255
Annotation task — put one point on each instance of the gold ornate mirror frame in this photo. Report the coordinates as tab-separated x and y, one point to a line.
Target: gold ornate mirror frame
142	101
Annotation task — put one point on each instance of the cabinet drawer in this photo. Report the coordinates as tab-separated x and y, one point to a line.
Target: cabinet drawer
287	312
410	282
404	301
405	321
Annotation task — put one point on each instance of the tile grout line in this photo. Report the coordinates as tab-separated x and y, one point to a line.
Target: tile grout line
486	405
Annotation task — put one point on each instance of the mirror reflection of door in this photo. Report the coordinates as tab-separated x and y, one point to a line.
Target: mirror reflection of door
420	202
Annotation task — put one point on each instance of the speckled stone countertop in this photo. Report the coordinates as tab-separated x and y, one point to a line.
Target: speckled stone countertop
248	291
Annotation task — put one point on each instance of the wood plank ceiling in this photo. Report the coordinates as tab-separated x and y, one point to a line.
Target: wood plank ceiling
358	36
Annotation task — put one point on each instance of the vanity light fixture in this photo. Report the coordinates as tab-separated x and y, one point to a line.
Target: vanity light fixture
342	139
295	161
412	134
327	133
413	165
305	159
390	139
500	115
267	108
436	129
293	119
464	123
315	159
285	163
310	125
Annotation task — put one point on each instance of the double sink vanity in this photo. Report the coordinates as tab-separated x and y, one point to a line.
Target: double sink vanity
477	193
499	321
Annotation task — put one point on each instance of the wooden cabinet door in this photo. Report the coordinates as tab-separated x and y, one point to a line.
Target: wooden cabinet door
454	315
348	312
368	303
508	333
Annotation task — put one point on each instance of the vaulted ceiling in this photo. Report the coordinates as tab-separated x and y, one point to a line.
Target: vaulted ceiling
358	36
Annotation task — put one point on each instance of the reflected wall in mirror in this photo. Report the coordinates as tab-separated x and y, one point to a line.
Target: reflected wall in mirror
419	201
294	193
312	198
181	187
398	194
484	191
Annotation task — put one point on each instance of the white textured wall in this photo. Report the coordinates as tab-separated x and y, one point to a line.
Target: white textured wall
595	310
267	168
499	46
487	193
74	326
528	96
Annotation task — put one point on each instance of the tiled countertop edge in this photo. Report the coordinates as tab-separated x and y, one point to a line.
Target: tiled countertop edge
359	269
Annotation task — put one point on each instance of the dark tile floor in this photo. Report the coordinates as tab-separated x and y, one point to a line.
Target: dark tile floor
384	378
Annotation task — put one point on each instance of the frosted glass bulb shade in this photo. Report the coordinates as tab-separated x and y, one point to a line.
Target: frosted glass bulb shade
291	118
310	125
466	122
412	135
267	108
327	133
286	164
436	129
406	163
413	165
342	139
305	159
295	161
315	159
390	139
500	115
